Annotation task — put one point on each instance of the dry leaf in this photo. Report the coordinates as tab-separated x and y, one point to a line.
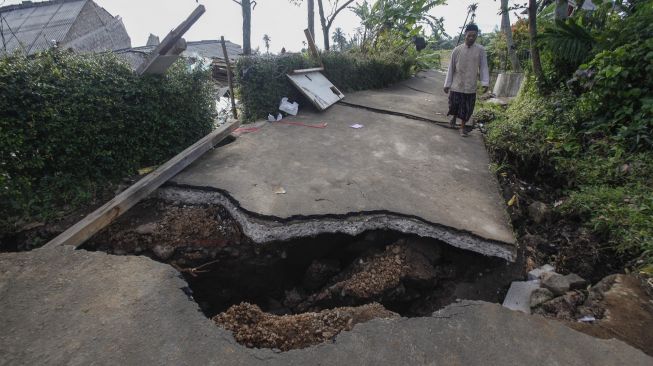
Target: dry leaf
513	200
147	170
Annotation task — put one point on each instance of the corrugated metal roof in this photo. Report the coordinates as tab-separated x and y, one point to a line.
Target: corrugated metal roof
36	25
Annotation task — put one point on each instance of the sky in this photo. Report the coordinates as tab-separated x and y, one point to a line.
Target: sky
282	21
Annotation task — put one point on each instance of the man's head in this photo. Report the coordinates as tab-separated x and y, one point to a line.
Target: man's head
471	32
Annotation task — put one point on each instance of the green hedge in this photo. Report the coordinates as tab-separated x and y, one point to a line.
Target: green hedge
71	123
262	79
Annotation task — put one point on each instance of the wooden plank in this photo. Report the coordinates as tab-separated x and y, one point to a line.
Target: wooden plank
312	47
229	79
103	216
300	71
317	88
167	46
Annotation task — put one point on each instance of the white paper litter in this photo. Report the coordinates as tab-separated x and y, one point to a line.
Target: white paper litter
587	319
357	126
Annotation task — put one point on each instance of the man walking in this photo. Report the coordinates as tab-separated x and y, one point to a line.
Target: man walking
467	61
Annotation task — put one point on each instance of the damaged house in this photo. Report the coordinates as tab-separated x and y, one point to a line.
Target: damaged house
80	25
206	49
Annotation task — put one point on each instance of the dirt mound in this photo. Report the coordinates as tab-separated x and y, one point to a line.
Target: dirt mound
254	328
189	234
383	276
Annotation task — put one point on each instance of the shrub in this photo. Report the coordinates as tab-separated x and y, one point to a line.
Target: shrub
70	123
262	79
622	215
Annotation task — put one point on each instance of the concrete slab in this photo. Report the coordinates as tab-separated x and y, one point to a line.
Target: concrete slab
66	307
420	96
394	169
519	295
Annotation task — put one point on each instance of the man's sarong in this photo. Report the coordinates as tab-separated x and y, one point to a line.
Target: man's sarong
461	105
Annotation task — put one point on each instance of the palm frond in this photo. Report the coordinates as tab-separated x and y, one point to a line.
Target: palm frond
568	40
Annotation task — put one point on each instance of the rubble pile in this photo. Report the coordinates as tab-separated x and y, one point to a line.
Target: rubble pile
255	328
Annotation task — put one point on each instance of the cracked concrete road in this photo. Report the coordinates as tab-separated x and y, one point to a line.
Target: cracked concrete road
60	306
420	96
394	173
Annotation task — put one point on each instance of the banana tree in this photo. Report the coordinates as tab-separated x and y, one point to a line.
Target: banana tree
406	18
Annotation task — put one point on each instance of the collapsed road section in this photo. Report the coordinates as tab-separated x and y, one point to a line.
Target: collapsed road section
297	293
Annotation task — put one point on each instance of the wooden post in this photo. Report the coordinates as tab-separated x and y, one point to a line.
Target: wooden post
103	216
229	79
312	47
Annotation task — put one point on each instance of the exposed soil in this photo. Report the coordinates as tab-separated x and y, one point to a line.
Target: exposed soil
320	285
255	328
619	306
560	241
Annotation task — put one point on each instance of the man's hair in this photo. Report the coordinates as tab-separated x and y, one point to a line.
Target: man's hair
471	27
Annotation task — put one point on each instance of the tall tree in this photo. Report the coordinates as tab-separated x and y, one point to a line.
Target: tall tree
507	31
246	6
339	38
532	30
311	16
267	40
310	4
326	21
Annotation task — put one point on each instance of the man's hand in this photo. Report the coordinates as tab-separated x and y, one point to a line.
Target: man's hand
446	90
485	89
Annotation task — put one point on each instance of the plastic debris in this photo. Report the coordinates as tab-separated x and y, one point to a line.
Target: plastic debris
290	108
271	118
280	190
356	126
587	319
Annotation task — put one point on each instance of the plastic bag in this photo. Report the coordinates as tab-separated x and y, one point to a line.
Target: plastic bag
290	108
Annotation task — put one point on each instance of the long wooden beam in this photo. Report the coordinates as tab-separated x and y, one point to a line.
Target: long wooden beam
103	216
168	44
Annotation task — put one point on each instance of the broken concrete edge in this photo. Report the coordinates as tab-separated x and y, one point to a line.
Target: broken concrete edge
265	229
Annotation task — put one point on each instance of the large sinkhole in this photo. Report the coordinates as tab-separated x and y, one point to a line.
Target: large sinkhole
293	294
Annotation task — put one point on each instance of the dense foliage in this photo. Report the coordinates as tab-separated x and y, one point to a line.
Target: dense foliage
263	82
70	123
592	135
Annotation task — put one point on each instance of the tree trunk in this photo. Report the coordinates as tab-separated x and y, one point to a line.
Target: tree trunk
311	17
325	26
532	30
247	26
562	7
505	27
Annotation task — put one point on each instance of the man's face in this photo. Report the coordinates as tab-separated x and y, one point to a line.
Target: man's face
470	37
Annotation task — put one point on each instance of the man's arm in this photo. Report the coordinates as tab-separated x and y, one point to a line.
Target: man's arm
485	72
452	68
